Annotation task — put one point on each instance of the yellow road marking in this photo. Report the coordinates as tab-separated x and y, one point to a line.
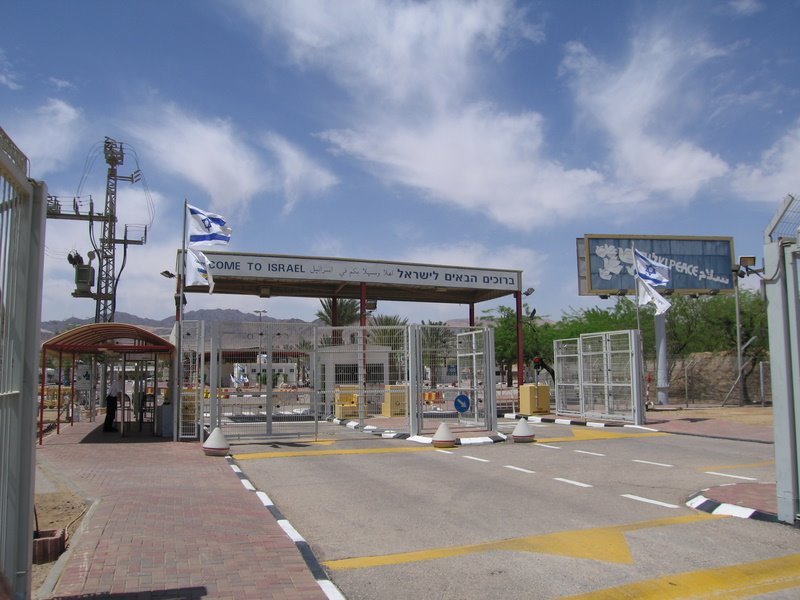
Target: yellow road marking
737	581
290	453
580	434
606	544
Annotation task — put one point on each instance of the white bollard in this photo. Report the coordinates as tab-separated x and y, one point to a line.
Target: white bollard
523	432
444	438
216	444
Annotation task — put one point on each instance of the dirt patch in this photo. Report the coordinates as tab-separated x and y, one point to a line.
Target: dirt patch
61	509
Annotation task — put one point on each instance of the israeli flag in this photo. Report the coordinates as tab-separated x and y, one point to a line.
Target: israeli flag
650	271
648	294
207	229
197	269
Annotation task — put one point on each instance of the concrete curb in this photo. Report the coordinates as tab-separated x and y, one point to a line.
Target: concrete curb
700	502
420	439
327	586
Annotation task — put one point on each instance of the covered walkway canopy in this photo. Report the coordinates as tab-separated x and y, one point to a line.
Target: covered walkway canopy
268	275
99	338
120	340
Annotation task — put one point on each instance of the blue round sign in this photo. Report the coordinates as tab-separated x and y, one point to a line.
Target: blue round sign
461	403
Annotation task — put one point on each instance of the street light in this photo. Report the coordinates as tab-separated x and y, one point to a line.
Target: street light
260	312
520	357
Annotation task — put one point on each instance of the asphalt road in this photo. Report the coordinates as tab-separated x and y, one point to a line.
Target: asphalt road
588	511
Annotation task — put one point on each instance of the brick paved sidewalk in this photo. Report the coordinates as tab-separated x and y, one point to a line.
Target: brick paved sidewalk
168	522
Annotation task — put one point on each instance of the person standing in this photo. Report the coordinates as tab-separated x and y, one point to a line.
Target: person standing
117	388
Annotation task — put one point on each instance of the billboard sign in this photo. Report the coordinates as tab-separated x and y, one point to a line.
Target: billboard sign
699	265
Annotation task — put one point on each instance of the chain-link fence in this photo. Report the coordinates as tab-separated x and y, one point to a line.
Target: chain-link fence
710	378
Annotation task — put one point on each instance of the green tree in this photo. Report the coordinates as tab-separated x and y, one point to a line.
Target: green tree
504	321
437	341
347	311
388	330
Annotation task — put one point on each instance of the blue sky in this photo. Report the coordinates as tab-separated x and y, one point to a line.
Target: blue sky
483	134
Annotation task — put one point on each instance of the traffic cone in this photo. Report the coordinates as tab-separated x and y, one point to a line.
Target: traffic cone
216	444
444	438
523	432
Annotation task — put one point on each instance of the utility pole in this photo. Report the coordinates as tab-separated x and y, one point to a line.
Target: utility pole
106	292
106	295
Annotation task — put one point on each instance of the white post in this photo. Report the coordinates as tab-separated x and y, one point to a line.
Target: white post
662	377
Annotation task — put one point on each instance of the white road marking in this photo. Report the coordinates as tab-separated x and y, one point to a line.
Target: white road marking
587	452
657	464
732	476
475	458
649	501
444	451
569	481
548	446
518	469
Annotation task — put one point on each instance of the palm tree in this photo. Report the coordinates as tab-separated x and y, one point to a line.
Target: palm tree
437	342
388	321
347	311
338	312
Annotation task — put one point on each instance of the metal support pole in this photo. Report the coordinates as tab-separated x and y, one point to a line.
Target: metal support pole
739	377
662	376
520	356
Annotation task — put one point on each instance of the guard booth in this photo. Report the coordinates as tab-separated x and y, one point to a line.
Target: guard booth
87	358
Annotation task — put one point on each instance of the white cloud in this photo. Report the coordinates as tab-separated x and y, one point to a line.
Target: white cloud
8	77
210	154
298	176
412	69
400	51
478	159
469	254
48	135
60	84
776	175
637	106
745	7
216	156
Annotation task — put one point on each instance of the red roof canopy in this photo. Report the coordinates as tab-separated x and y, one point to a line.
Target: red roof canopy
97	338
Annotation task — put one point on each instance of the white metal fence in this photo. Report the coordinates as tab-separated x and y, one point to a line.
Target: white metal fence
267	380
598	376
22	226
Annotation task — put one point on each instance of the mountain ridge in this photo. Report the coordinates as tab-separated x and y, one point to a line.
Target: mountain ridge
51	328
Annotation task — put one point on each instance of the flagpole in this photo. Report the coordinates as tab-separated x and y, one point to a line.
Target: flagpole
636	286
179	327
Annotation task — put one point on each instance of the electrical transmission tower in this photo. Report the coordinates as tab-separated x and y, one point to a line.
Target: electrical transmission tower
106	275
107	278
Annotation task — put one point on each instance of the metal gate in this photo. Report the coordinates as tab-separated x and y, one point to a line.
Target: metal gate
361	372
192	364
263	373
266	380
599	375
456	380
22	226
